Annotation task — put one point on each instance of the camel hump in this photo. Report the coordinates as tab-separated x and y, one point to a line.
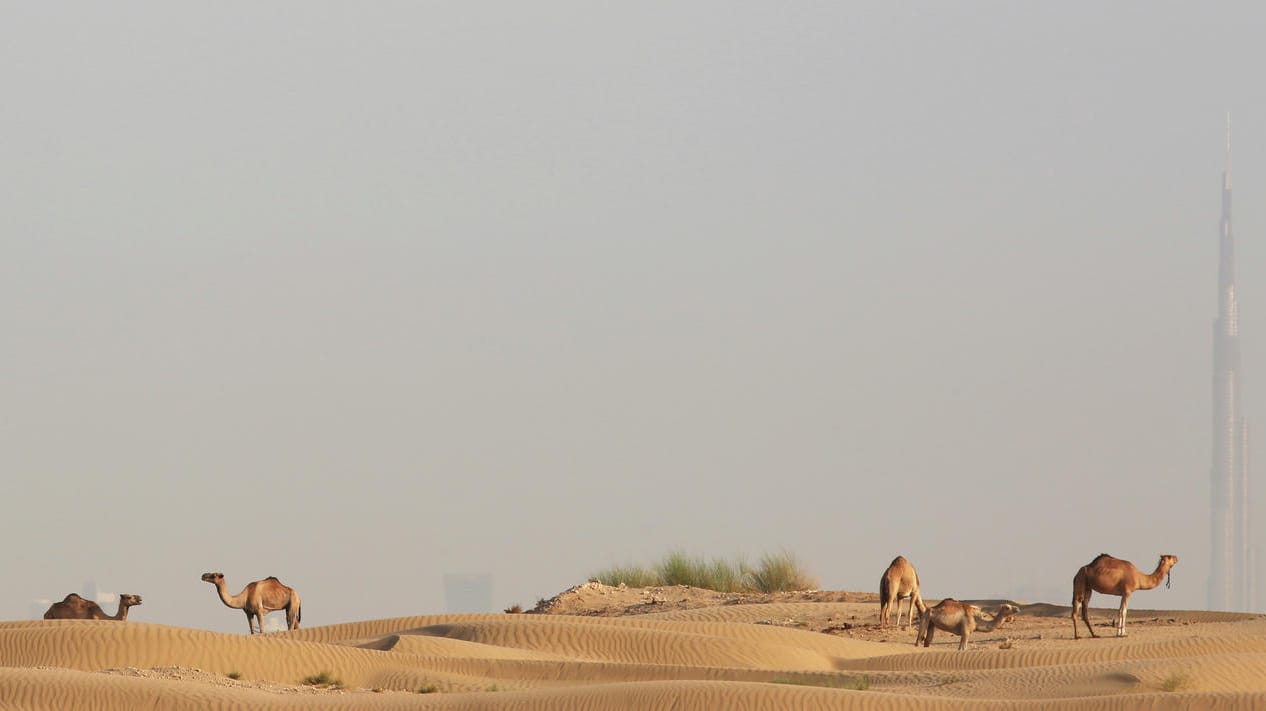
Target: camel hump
1100	557
898	560
272	578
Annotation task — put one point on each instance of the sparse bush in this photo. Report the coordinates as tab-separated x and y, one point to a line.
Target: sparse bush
725	577
780	573
234	675
859	683
775	573
325	679
1176	682
631	575
856	683
677	568
428	689
514	610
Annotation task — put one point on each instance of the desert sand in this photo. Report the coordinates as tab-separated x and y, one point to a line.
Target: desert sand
598	647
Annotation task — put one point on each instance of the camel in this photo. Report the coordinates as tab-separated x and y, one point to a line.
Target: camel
74	607
258	599
961	618
1113	576
899	581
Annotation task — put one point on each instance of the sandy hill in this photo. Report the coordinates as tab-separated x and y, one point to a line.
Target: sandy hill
598	647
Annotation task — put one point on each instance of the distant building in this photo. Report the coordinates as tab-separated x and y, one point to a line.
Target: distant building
468	592
1232	576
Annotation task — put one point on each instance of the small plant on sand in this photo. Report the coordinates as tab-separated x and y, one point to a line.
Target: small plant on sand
325	679
860	683
775	573
428	689
780	572
234	675
856	683
1176	682
514	609
630	575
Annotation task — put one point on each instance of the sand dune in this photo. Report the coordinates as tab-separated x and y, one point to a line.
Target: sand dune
734	656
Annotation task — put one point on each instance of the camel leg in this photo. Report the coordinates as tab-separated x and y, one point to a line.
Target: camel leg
1085	614
250	622
1073	614
962	641
1125	600
899	615
927	639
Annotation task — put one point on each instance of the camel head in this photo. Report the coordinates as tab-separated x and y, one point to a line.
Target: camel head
213	578
127	600
1167	562
1008	612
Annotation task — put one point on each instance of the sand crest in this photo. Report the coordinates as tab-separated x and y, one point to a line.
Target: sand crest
808	654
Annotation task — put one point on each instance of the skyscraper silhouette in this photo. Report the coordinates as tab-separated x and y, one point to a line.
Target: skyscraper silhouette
1231	573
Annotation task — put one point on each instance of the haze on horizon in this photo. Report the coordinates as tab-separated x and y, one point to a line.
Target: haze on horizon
359	295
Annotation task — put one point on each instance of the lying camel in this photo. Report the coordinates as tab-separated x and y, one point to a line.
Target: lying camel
1113	576
962	619
899	581
258	599
74	607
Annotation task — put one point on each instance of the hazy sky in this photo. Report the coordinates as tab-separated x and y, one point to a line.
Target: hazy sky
360	294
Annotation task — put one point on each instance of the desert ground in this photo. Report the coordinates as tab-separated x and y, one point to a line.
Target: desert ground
602	647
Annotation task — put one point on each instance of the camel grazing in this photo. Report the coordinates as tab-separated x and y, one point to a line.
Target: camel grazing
258	599
899	581
74	607
962	619
1113	576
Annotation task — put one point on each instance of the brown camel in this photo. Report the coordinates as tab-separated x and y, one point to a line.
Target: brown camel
962	619
899	581
74	607
258	599
1113	576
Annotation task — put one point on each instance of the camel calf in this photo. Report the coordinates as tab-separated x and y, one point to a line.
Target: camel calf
962	619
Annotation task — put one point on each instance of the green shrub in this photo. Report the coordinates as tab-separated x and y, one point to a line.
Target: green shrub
780	573
631	575
775	573
323	678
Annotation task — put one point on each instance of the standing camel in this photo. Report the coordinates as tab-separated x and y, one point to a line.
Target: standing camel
960	618
74	607
258	599
899	581
1113	576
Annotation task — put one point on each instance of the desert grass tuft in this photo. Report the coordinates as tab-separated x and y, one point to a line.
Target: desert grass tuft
856	683
1176	681
780	572
323	678
630	575
775	573
234	675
